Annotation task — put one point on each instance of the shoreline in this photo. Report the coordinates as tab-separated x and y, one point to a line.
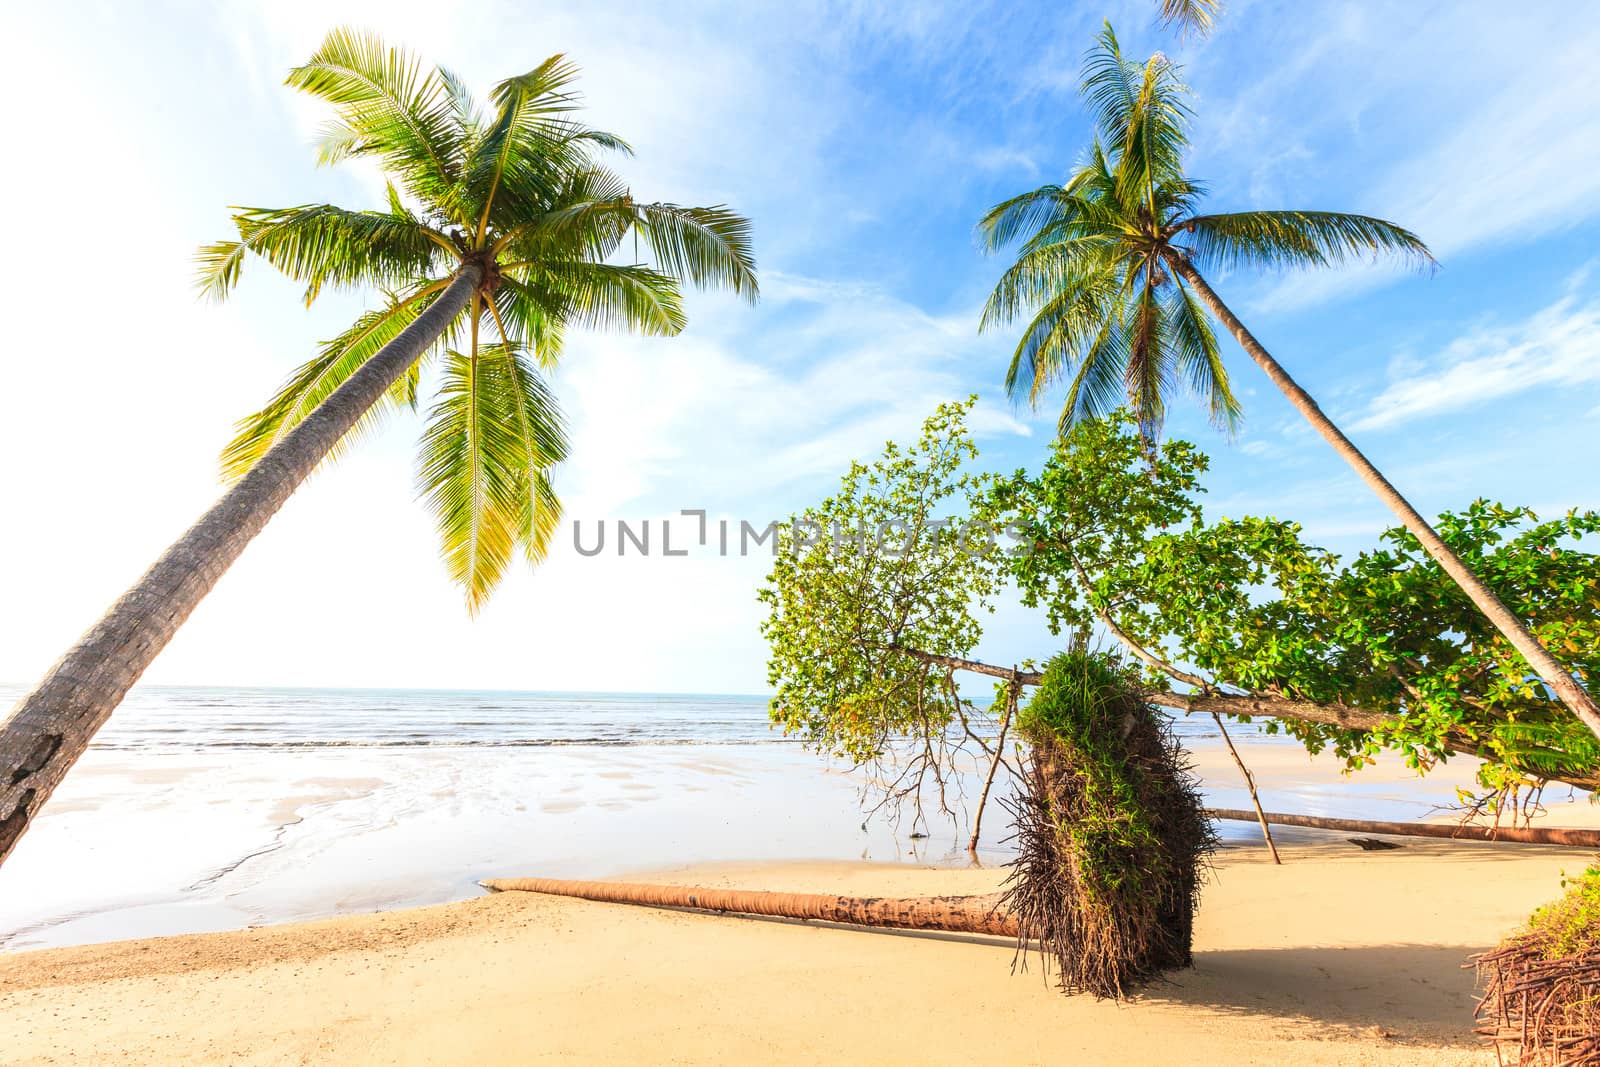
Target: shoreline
205	843
1339	956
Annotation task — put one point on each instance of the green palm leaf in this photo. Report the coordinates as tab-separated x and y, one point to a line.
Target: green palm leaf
493	433
320	245
706	245
1294	239
389	107
315	381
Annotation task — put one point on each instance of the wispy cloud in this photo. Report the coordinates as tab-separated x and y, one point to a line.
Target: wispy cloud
1559	345
1472	130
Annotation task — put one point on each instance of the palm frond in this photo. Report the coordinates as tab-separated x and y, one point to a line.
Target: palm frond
493	431
1147	370
322	245
1198	16
217	268
527	135
541	425
391	108
1022	216
706	246
1041	274
314	382
589	216
1295	239
1100	387
626	296
1069	328
1198	359
526	323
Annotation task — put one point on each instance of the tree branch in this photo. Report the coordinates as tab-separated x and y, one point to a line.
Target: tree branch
1259	705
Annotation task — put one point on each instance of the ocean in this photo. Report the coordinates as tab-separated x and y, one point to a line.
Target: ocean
218	808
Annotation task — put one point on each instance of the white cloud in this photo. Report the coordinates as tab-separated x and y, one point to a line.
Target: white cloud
1559	345
1467	127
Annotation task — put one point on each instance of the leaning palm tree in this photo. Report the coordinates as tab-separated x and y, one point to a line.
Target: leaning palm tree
501	231
1108	276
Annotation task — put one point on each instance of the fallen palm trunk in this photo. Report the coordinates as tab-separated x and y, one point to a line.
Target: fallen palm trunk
968	915
1537	835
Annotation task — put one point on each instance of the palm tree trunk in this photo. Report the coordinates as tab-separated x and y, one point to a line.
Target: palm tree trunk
968	915
1494	609
1574	837
51	727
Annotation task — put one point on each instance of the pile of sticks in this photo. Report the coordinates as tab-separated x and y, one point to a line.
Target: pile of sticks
1544	1012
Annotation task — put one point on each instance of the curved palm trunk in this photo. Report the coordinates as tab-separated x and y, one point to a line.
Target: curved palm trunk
968	915
1494	609
52	726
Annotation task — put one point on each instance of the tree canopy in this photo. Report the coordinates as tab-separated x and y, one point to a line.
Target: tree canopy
1376	653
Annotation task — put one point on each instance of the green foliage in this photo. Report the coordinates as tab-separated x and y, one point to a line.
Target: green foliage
877	568
1094	279
1247	604
518	192
1571	925
1109	535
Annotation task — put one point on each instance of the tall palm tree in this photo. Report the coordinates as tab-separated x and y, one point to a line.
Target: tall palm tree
499	233
1108	275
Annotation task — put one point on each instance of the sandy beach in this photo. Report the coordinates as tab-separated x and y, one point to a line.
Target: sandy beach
1338	957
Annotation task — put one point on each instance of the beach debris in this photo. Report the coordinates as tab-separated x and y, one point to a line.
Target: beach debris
1541	1000
957	914
1374	844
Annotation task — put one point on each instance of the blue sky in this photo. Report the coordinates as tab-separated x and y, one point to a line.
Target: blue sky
863	141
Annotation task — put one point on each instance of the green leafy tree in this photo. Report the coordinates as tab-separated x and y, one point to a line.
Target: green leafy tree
1237	617
1380	652
1109	278
501	231
885	564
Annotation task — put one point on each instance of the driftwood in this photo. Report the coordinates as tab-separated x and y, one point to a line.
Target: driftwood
1536	835
967	915
1540	1012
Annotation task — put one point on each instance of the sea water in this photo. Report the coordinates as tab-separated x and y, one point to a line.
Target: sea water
218	808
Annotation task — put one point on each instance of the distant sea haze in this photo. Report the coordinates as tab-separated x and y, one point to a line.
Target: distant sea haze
195	718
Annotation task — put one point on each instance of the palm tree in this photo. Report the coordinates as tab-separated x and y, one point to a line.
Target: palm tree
499	233
1109	276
